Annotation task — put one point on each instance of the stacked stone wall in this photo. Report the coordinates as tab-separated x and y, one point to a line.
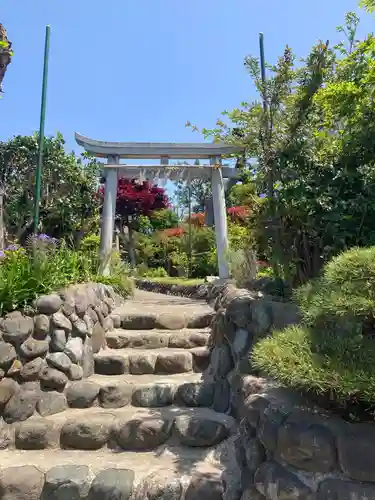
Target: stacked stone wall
45	346
286	447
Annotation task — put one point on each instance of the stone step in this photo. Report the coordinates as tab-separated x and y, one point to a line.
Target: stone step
167	472
128	429
147	391
154	339
146	361
169	320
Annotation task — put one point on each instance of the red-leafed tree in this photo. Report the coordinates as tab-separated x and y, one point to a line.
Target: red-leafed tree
135	198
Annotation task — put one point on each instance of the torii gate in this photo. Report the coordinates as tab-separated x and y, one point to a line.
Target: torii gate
164	152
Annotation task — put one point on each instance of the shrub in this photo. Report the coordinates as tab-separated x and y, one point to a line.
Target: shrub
331	354
144	272
90	243
46	266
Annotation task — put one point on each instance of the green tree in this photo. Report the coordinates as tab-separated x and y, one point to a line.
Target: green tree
369	5
314	140
5	53
163	219
69	201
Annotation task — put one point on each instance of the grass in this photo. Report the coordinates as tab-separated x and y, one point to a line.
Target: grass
168	280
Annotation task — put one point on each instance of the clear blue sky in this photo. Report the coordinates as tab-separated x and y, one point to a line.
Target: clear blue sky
137	70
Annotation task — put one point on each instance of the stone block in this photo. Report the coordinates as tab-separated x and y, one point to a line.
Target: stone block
36	434
82	394
21	483
194	394
275	482
50	403
144	363
340	489
115	396
33	348
20	406
175	362
199	431
154	396
112	484
91	434
48	304
139	434
356	452
205	486
111	364
307	445
17	329
67	482
50	378
41	326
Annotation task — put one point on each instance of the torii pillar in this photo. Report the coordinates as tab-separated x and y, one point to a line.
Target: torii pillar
220	218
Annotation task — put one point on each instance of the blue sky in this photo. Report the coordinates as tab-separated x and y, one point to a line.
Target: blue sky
137	70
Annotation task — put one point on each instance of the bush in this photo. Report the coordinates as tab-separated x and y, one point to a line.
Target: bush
144	272
331	354
46	266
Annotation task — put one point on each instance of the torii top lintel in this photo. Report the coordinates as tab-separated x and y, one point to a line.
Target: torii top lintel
157	150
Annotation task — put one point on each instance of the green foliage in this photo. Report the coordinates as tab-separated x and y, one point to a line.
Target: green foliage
313	134
163	219
41	269
200	190
369	5
143	271
69	202
90	244
332	352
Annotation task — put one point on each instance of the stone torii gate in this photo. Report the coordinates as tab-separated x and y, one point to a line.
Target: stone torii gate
164	152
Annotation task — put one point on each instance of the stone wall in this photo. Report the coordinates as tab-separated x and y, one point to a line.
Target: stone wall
45	346
286	447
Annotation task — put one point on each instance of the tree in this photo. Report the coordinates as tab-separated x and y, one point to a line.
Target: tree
69	204
134	199
163	219
5	53
313	134
369	5
200	190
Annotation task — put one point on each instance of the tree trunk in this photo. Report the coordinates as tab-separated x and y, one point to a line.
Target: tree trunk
131	249
5	53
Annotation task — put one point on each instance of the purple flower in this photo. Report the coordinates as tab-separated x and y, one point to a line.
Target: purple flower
44	238
254	171
262	195
2	254
12	248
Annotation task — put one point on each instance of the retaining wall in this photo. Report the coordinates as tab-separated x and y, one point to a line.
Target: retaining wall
45	346
286	448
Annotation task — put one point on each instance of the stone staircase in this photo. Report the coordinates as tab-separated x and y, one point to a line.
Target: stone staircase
141	427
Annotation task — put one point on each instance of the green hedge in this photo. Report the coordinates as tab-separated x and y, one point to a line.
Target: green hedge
332	352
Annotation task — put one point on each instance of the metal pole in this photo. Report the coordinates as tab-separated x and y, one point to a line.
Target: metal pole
262	66
38	176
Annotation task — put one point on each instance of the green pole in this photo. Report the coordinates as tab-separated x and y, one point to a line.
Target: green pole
38	176
262	65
